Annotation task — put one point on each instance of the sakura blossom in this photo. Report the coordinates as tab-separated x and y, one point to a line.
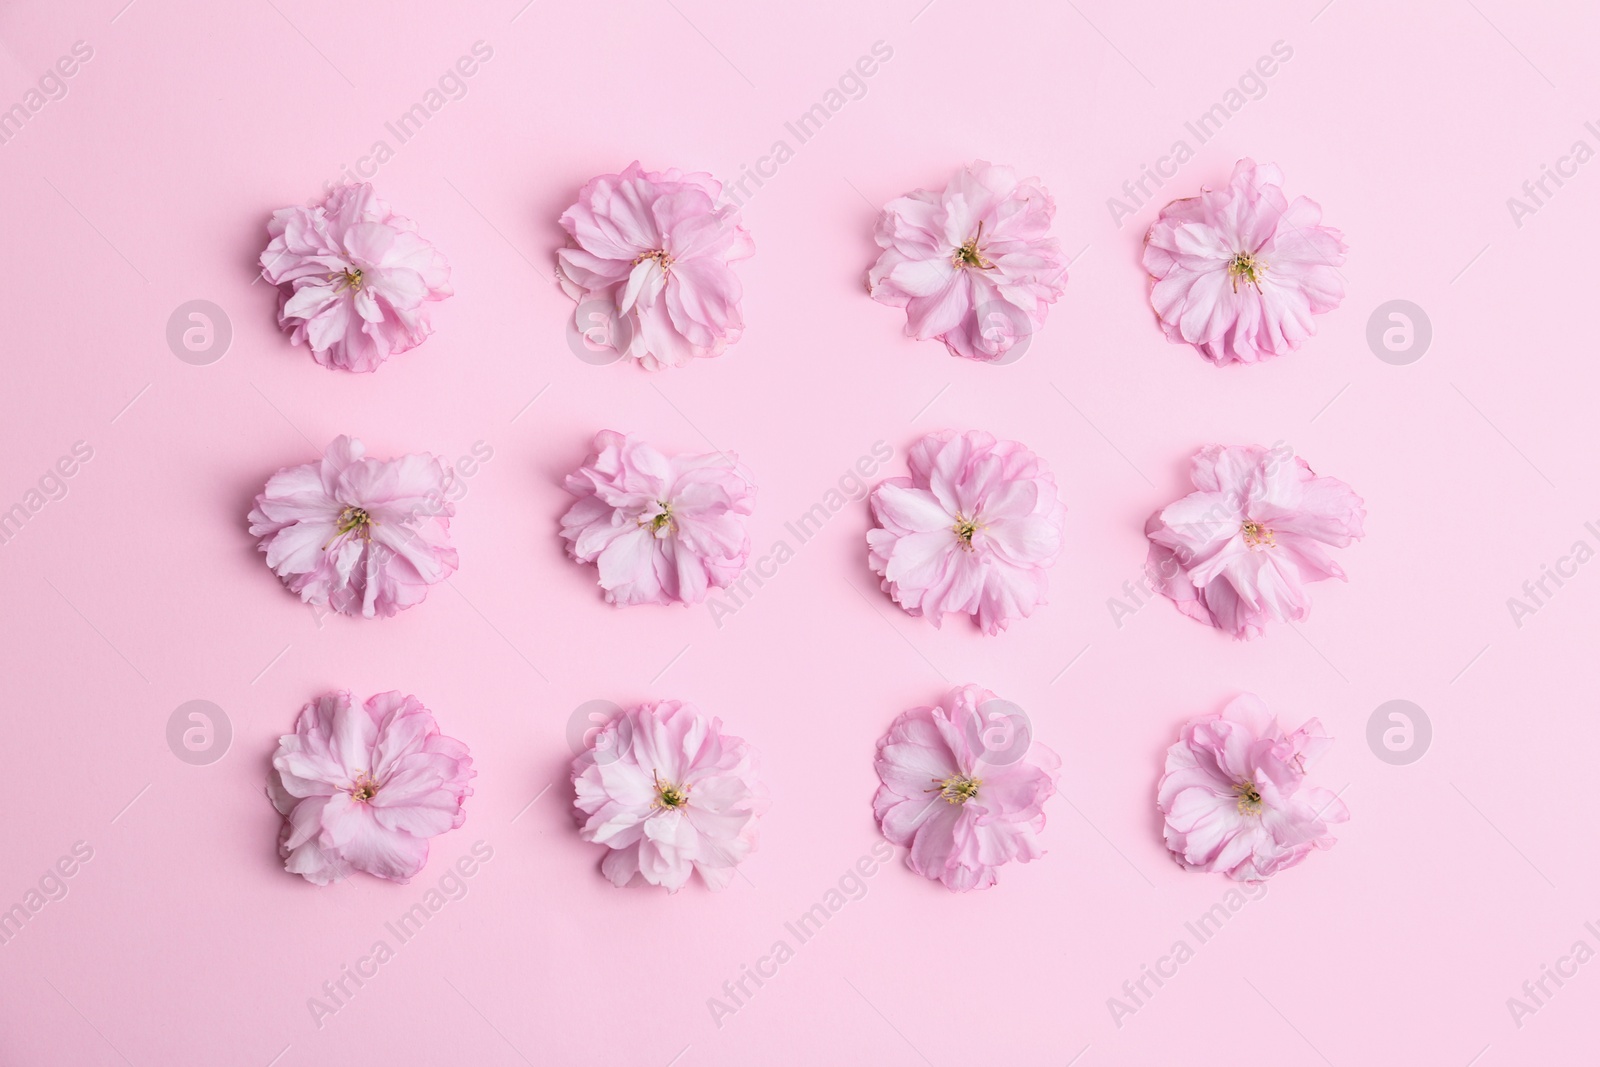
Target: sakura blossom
359	535
1235	794
973	263
659	529
1241	549
964	805
651	256
971	531
356	279
669	794
363	787
1239	272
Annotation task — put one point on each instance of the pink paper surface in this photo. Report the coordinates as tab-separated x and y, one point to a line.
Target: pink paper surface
1460	877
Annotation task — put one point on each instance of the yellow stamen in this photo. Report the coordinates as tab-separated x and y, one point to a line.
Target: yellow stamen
1249	798
659	255
969	255
349	278
964	529
663	520
1257	535
956	789
356	519
669	796
1246	266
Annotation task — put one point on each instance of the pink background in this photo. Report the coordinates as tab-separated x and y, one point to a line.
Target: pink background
149	184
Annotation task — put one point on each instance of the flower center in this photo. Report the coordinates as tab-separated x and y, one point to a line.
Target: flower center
669	796
662	520
659	255
956	789
349	278
365	788
969	255
964	529
356	519
1256	535
1249	798
1245	265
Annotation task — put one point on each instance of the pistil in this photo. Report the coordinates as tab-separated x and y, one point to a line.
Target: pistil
349	278
1245	265
964	529
956	789
669	796
1257	535
662	520
659	255
970	255
356	520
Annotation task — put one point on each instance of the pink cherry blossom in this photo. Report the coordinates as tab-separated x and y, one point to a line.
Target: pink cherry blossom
362	789
355	279
1242	548
652	250
1239	272
661	529
362	536
973	263
963	801
668	793
971	531
1235	794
